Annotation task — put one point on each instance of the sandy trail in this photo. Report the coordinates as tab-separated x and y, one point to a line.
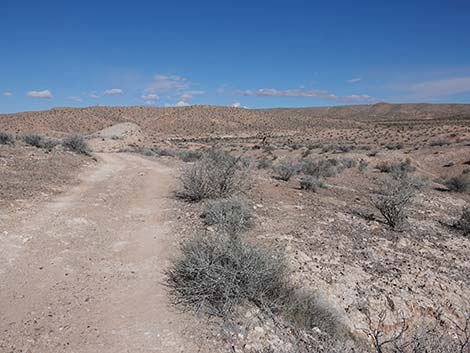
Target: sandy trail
82	273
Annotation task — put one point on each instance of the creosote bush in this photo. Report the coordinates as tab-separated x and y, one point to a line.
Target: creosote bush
230	216
6	139
76	143
285	169
216	175
393	198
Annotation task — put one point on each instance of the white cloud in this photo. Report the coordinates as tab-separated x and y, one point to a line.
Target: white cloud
164	84
45	94
7	94
113	92
182	104
94	95
186	97
441	88
322	94
74	99
354	80
238	105
150	97
190	95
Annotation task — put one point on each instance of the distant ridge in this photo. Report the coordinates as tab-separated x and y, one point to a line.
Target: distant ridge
210	120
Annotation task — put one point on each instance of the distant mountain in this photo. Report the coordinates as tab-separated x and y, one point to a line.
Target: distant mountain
210	120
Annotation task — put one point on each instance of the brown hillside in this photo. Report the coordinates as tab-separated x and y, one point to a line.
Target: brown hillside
210	120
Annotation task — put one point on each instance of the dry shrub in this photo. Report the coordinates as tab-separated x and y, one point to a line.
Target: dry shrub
32	140
216	274
285	169
230	216
463	223
77	144
322	168
399	168
311	183
306	310
216	175
189	155
459	183
6	139
394	196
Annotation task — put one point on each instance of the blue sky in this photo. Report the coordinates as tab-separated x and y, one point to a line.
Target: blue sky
243	53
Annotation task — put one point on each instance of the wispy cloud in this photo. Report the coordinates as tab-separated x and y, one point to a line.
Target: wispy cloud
354	80
165	84
113	92
74	99
440	88
321	94
45	94
190	95
151	96
173	88
7	93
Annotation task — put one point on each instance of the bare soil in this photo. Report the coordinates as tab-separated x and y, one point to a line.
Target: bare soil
83	272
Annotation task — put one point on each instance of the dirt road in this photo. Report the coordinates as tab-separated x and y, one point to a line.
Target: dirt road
82	273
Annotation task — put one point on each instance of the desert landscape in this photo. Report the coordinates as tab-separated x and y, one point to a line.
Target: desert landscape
225	229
